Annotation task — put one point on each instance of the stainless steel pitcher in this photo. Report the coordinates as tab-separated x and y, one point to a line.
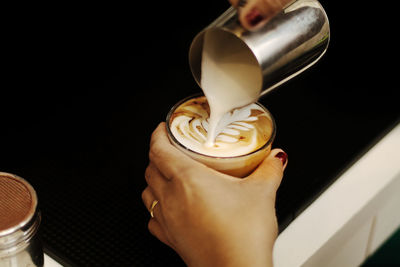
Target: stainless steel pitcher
287	45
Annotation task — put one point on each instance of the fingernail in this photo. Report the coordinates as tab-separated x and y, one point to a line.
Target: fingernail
282	156
254	17
242	3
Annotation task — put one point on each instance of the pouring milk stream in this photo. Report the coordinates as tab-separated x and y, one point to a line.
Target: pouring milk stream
230	79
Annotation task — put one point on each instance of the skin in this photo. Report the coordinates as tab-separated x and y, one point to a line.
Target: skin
209	218
267	9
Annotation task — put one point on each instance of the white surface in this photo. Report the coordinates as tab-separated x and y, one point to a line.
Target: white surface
345	249
342	212
49	262
388	217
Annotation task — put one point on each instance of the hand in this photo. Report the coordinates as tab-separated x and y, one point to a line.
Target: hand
254	14
209	218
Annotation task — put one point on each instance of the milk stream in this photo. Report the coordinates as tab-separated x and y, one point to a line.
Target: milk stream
230	78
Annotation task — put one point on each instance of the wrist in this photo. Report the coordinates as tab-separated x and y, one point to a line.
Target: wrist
255	255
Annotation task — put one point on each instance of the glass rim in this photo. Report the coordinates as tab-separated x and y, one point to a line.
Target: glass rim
170	134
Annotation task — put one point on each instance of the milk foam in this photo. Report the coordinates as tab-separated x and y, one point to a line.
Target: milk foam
239	132
230	78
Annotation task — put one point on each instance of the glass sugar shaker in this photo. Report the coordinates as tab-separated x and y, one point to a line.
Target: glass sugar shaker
20	218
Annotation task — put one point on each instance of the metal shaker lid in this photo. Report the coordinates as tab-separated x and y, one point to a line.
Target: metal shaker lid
18	204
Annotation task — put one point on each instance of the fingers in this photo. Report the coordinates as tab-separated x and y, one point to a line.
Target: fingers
155	224
154	208
253	14
271	169
156	181
168	159
148	198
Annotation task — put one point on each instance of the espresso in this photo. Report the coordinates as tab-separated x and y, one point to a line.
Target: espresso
239	132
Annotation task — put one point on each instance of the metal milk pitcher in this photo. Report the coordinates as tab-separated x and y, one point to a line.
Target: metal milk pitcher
285	46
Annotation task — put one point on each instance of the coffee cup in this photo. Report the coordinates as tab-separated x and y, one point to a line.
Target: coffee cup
240	147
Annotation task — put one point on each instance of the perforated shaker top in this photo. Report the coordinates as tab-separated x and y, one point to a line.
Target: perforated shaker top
17	201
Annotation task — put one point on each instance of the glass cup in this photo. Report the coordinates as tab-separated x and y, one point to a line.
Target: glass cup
238	166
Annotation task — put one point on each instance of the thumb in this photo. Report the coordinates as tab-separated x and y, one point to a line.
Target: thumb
271	169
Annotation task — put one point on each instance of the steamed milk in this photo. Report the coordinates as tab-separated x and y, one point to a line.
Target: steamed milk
230	78
227	123
239	132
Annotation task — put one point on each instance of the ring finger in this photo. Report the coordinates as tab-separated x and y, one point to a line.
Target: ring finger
154	224
152	206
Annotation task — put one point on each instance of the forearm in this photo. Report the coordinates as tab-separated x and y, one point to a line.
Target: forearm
256	253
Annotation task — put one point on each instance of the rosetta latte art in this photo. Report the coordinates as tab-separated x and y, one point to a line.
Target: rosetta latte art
239	132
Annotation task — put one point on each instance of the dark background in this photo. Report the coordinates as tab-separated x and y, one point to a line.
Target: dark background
84	85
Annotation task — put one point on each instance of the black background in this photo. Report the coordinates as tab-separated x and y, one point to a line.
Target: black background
84	85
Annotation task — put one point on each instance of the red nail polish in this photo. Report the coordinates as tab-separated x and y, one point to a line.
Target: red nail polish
282	156
254	17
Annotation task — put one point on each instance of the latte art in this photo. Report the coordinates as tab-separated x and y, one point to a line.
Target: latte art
239	132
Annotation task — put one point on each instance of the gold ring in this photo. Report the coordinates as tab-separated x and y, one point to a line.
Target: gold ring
155	202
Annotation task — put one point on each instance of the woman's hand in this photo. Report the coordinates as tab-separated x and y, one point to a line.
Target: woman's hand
209	218
255	13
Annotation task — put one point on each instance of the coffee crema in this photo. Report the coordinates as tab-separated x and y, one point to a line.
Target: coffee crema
239	132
